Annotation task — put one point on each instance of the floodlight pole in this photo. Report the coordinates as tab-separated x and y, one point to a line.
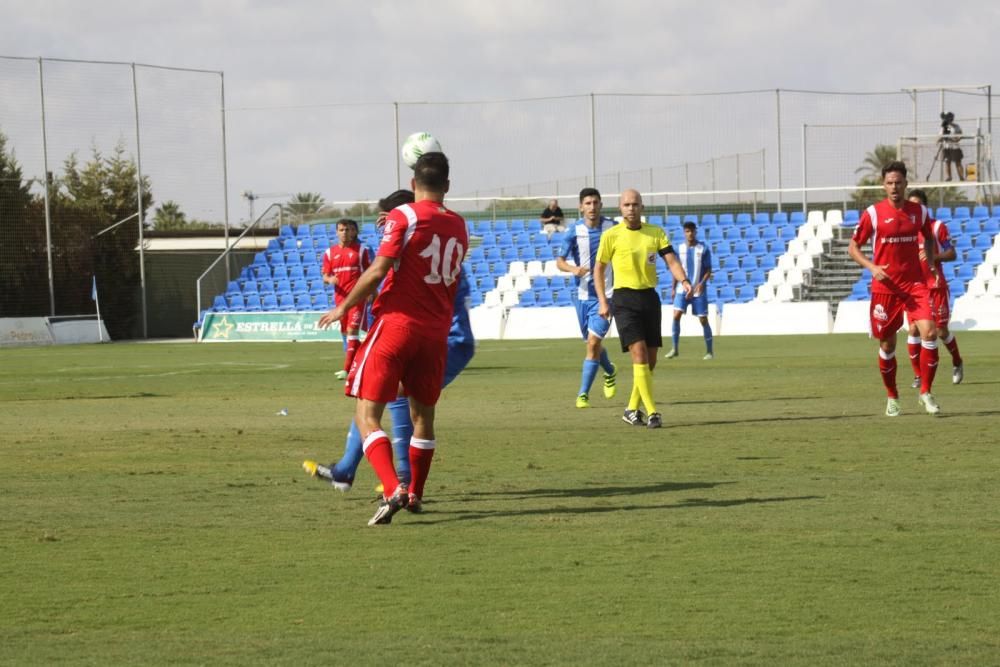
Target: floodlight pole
777	116
225	171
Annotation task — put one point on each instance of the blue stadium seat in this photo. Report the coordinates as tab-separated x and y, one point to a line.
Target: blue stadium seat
961	213
275	257
526	299
279	272
751	234
713	233
546	253
286	232
731	232
233	288
737	278
762	218
991	226
268	302
563	296
749	262
779	218
289	243
786	232
777	247
745	293
303	301
768	262
709	219
729	262
759	248
741	248
673	221
983	240
721	248
757	277
965	272
286	302
299	285
769	233
995	211
726	219
797	217
533	226
274	244
958	289
292	257
249	287
543	298
691	218
484	228
727	294
303	231
253	302
720	276
743	220
475	298
980	213
265	286
295	271
219	305
973	256
313	272
319	301
539	283
282	285
655	220
517	226
859	292
943	213
234	303
962	242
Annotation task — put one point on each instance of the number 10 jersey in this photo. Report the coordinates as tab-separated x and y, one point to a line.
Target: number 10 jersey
427	243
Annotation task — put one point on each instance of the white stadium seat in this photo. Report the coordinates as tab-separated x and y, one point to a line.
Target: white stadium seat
505	283
775	277
765	293
993	289
784	293
824	232
796	247
787	261
517	268
492	298
794	277
534	268
804	262
509	299
834	217
551	269
815	247
522	283
976	288
815	218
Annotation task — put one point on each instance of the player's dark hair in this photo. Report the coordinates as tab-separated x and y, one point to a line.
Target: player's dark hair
397	198
894	166
432	171
589	192
919	194
348	222
690	225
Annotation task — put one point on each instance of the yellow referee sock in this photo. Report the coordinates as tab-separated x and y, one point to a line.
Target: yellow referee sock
643	379
634	398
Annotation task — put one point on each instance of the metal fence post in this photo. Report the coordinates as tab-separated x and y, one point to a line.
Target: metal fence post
48	185
138	190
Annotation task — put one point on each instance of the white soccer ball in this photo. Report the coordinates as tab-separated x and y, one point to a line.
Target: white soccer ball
416	145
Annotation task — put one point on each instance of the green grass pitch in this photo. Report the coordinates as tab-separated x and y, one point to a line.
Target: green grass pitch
153	511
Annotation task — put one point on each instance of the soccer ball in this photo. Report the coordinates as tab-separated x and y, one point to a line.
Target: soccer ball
416	145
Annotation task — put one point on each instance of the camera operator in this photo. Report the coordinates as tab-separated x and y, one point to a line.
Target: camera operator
951	134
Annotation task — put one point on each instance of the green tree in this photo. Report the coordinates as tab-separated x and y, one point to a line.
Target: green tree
169	216
875	160
304	204
24	262
96	217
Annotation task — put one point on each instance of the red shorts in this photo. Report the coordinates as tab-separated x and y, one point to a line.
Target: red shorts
393	354
354	318
887	310
940	308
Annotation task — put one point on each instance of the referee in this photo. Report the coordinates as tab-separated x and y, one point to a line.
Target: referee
631	249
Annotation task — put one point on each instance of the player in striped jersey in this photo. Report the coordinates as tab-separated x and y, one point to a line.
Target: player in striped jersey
580	244
696	258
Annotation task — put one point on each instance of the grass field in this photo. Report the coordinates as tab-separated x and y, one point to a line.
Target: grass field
153	511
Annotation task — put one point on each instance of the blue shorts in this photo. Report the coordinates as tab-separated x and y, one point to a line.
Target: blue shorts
699	304
590	321
458	358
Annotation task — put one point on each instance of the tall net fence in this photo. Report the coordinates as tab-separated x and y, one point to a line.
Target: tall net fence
94	156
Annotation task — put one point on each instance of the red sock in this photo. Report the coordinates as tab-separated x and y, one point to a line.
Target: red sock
928	364
952	345
421	453
913	347
887	365
352	348
378	451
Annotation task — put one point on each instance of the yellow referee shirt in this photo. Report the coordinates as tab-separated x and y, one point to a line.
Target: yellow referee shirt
632	254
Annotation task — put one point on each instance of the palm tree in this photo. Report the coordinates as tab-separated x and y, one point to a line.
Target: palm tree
304	203
874	160
169	215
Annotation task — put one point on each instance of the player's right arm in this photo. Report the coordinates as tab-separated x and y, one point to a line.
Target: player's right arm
604	308
364	288
567	250
861	235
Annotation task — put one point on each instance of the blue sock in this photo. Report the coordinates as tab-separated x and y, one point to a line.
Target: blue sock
676	334
707	329
606	362
590	367
402	433
347	466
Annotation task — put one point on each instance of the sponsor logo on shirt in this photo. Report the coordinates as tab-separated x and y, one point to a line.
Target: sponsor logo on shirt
879	313
651	258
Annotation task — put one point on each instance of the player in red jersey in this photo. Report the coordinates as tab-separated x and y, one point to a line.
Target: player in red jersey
898	284
343	264
420	259
940	295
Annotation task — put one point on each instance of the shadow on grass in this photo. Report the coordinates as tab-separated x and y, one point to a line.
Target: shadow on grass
590	492
444	516
771	420
726	401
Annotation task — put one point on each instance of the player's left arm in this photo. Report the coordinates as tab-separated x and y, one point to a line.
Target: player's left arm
948	252
364	288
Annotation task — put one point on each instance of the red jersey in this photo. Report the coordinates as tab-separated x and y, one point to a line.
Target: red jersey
347	263
428	243
895	235
942	242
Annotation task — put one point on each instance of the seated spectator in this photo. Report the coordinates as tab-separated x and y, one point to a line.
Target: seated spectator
552	218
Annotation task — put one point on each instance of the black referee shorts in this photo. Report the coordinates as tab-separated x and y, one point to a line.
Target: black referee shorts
638	316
